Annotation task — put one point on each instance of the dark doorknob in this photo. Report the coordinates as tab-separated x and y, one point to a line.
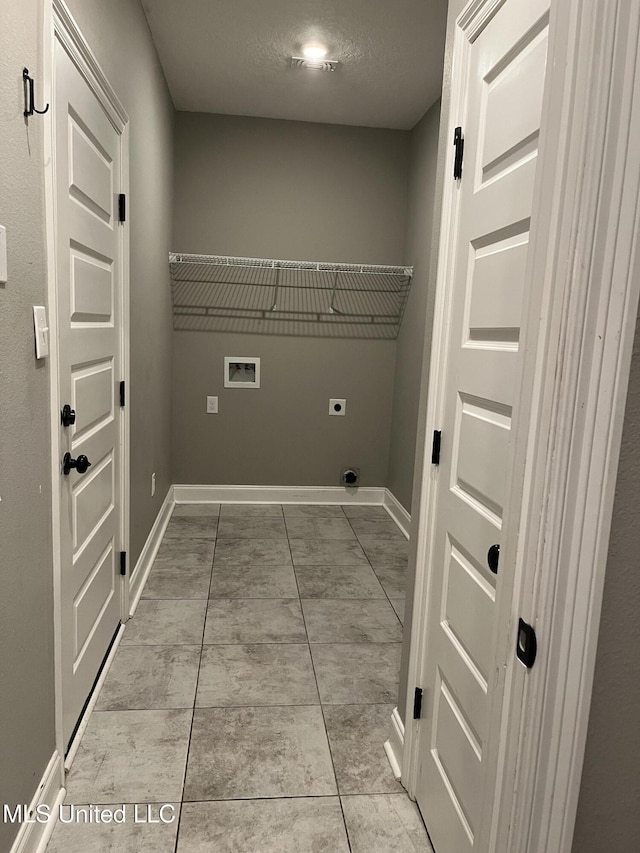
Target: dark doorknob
68	415
80	464
493	557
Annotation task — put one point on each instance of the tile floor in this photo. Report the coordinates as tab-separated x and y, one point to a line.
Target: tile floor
253	691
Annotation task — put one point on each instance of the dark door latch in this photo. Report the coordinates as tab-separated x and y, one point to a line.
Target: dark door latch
80	464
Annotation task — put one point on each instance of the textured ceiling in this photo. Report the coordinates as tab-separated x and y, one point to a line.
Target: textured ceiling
232	57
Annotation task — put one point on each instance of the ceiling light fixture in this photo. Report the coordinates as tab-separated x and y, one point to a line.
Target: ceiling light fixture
314	50
313	58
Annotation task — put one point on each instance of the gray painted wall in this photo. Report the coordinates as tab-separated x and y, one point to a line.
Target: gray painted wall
282	433
414	340
608	815
119	36
285	189
26	574
277	189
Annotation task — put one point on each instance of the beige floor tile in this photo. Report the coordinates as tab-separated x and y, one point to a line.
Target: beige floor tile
357	673
255	675
178	582
241	753
131	757
151	678
255	510
252	552
136	834
351	621
265	826
385	823
254	620
170	623
338	582
319	528
320	552
251	527
356	736
253	582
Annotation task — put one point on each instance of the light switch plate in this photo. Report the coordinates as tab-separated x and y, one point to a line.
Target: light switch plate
4	276
41	330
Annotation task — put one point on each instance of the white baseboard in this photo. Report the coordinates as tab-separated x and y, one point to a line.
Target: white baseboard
397	512
84	722
395	745
148	553
278	494
34	837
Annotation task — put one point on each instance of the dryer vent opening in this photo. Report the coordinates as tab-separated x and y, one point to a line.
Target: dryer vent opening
350	477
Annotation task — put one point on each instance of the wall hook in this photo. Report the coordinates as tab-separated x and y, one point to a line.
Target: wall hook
29	97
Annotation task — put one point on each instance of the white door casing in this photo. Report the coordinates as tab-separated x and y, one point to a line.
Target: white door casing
499	71
88	311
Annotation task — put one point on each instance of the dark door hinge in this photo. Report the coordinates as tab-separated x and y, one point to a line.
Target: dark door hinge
417	703
122	208
435	447
458	141
123	562
122	393
526	644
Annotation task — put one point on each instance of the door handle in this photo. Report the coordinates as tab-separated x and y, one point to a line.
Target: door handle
68	415
80	464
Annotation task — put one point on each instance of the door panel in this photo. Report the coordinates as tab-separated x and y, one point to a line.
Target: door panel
88	160
91	288
92	397
469	605
92	599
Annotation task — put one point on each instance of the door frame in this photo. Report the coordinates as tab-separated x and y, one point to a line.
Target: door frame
59	24
588	186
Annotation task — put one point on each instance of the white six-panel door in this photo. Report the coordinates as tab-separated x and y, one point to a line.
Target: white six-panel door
501	71
89	268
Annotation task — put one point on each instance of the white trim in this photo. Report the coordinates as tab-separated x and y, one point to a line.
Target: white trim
77	47
125	370
394	746
84	721
476	15
34	837
54	393
148	554
397	512
278	494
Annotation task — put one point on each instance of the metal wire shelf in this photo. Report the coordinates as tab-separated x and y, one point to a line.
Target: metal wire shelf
222	293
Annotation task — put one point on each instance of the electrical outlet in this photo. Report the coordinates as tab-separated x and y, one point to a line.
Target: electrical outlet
337	407
153	484
212	405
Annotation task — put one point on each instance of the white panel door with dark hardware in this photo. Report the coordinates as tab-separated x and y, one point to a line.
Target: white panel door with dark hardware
499	72
89	269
